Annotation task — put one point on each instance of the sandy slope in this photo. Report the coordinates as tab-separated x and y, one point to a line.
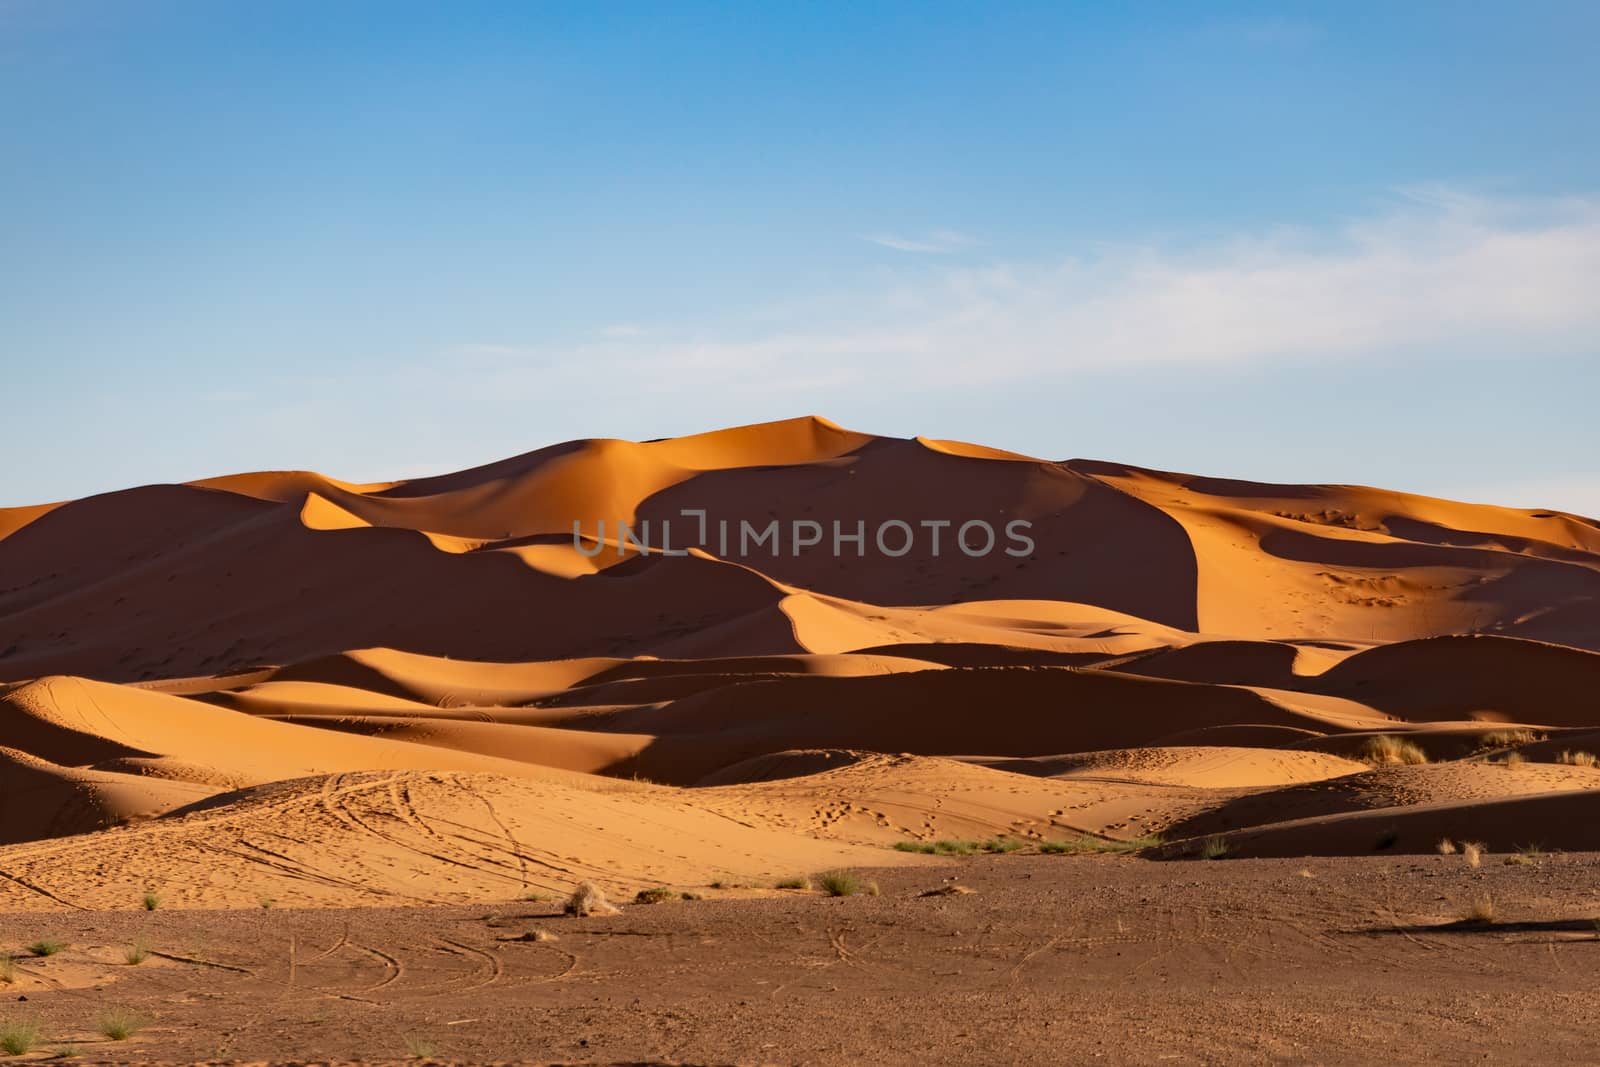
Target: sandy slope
479	693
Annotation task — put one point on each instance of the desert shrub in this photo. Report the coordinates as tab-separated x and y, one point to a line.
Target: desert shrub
654	895
151	901
1087	843
1000	845
119	1024
838	883
17	1037
46	947
587	899
1387	749
1507	738
915	846
137	952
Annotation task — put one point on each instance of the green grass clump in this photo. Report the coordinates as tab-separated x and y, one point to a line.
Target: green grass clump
1000	845
151	901
18	1038
1089	844
46	947
1386	750
137	952
794	883
1215	848
951	846
838	883
119	1024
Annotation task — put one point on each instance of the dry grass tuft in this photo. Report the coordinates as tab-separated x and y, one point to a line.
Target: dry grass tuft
137	952
1215	848
1515	759
1473	852
1446	847
17	1038
1480	910
1578	759
1386	749
8	968
794	883
838	883
119	1024
588	900
1507	738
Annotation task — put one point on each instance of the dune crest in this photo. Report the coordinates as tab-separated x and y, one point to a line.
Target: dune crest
781	652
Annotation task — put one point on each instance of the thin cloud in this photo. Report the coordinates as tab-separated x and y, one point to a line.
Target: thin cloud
1440	272
938	243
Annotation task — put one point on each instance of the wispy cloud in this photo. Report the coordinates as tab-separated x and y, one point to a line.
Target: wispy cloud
937	243
1438	272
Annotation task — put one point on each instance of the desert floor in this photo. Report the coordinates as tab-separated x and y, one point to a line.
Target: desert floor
1047	959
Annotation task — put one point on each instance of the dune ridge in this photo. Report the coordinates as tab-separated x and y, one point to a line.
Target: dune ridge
1176	654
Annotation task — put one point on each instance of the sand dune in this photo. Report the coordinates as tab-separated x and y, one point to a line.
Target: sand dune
1174	653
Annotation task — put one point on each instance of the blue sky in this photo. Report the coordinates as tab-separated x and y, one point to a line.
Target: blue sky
1339	242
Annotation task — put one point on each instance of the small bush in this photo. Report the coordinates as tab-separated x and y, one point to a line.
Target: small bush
1578	759
18	1038
46	947
915	846
1480	910
137	952
151	901
119	1024
654	895
1446	847
1386	749
794	883
1215	848
1000	845
1086	843
1472	852
838	883
587	900
1507	738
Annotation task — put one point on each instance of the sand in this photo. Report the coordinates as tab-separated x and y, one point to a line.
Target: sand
338	694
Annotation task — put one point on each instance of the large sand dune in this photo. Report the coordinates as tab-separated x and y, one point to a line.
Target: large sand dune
286	685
